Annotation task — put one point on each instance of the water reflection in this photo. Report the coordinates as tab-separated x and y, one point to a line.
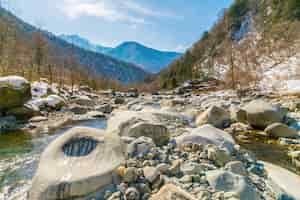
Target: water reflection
268	151
15	143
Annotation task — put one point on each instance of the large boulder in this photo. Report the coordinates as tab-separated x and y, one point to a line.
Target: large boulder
24	112
278	130
207	134
55	101
133	92
140	146
105	108
83	101
238	114
14	92
40	89
170	192
168	116
215	116
236	167
52	101
261	114
221	180
137	124
78	109
119	100
80	162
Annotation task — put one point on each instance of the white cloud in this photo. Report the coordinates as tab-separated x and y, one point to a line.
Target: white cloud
77	8
111	10
181	48
135	7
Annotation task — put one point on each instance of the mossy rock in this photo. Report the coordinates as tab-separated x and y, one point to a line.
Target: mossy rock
23	113
14	92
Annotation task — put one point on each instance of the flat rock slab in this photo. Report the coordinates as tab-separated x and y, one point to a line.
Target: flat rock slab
286	180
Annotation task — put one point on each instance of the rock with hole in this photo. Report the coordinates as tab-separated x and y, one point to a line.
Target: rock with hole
80	162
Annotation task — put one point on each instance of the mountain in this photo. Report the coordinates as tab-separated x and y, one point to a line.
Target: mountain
93	63
149	59
254	44
84	43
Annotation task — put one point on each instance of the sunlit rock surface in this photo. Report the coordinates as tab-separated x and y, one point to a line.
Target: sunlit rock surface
207	134
260	113
229	182
136	124
81	161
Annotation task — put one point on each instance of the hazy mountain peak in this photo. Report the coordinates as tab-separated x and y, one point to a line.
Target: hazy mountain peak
130	43
149	59
84	43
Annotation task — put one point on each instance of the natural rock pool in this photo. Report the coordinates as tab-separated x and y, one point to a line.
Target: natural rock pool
19	155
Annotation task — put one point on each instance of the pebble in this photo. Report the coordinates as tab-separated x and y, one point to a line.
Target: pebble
130	175
132	194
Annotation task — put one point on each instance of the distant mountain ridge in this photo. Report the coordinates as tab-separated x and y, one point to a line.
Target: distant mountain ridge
149	59
95	63
84	43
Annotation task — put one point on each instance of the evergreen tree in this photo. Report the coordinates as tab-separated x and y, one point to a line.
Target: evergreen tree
237	11
293	9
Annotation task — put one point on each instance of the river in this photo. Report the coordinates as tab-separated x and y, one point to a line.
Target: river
19	156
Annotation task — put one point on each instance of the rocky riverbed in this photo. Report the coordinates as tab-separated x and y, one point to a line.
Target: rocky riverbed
155	146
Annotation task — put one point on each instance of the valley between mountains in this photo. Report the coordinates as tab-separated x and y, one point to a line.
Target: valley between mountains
220	121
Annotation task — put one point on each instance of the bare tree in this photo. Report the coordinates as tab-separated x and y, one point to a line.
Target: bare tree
40	51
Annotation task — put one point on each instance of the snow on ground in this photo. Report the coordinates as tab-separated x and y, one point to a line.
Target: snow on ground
15	81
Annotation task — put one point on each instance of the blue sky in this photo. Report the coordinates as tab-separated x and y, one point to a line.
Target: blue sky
163	24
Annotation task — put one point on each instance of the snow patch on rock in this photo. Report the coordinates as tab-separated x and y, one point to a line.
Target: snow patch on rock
52	101
247	28
16	81
41	89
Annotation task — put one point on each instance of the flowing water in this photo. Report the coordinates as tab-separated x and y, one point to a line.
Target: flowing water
19	155
269	152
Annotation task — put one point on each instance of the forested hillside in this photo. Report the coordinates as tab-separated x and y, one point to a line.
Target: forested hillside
249	34
34	53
